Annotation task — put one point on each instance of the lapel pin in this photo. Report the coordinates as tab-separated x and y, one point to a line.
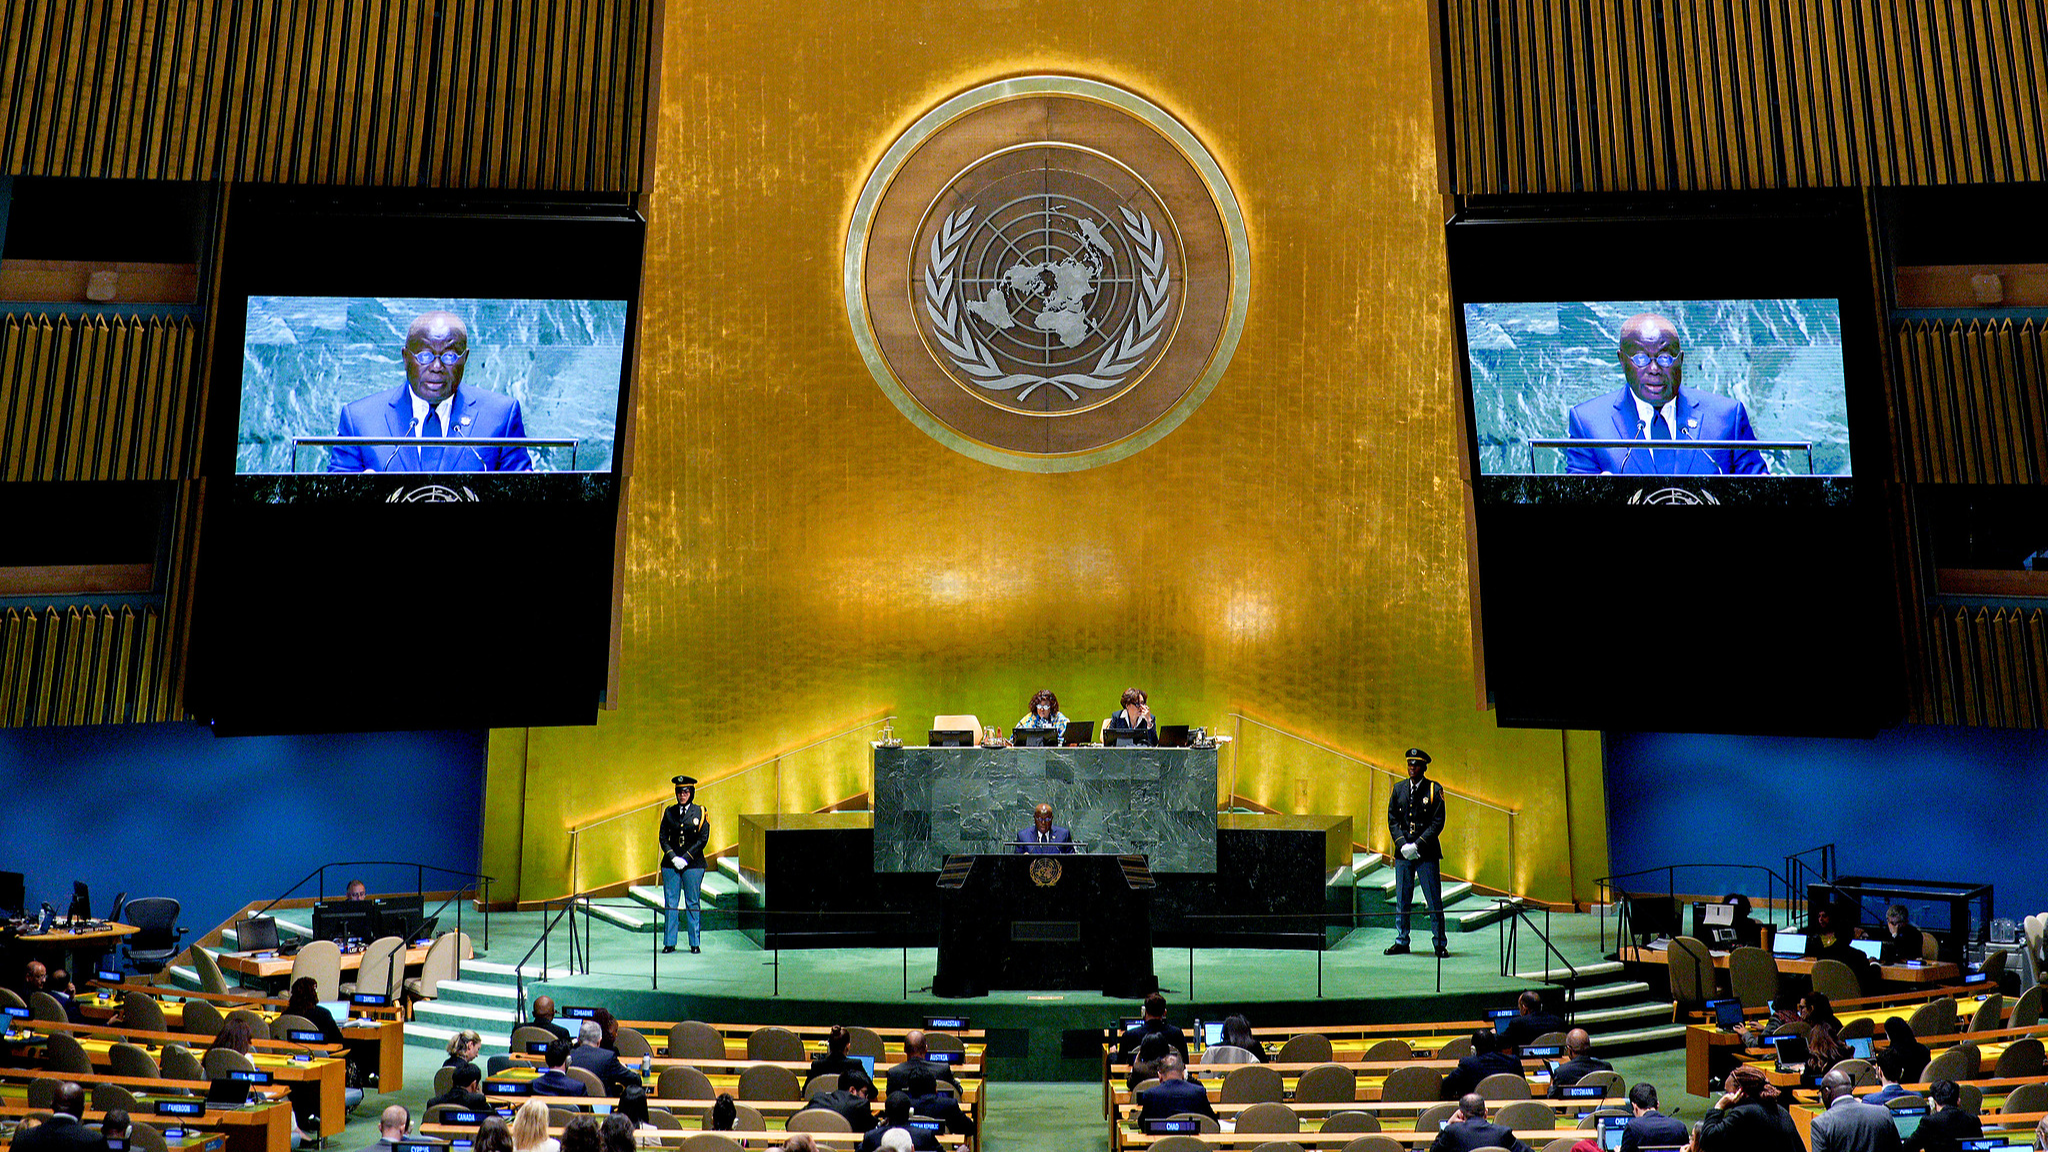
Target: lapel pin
466	419
1692	422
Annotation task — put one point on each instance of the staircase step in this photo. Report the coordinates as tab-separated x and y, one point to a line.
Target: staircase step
1484	911
1633	989
488	994
1364	864
721	884
1586	972
1659	1036
438	1035
497	972
631	917
1624	1014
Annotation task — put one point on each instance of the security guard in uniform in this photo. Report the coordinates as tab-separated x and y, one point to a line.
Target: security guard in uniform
1415	816
685	830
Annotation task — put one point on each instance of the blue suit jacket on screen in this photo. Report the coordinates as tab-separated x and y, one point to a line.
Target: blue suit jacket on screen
1699	415
472	412
1061	840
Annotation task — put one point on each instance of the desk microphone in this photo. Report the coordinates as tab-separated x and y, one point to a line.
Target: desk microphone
410	430
1631	450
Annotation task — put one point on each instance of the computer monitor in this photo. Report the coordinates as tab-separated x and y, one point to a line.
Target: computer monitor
399	916
1174	735
1652	916
1908	1119
13	892
81	901
1714	924
343	920
256	934
1871	948
1212	1033
1122	737
950	738
1788	944
1080	732
1035	737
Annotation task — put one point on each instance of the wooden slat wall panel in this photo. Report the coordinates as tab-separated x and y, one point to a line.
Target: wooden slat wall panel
1988	666
1628	95
1973	402
101	398
543	94
82	665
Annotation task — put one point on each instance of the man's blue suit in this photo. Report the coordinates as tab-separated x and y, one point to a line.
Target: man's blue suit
1058	840
1698	416
472	412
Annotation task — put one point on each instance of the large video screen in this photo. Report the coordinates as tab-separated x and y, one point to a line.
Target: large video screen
381	371
1658	387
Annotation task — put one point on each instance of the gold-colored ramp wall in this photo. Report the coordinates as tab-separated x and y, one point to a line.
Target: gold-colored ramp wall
799	557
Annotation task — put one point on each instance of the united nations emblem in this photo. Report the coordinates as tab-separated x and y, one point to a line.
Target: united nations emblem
1047	273
1045	871
1673	496
431	494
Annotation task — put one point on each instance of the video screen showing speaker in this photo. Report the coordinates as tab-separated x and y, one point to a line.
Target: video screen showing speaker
406	385
1650	388
412	443
1675	419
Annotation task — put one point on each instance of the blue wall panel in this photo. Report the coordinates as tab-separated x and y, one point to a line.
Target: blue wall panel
1920	802
172	810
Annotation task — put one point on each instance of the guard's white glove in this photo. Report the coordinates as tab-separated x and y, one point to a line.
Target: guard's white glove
677	861
1410	852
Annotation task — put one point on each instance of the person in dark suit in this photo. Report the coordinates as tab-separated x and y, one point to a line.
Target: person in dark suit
63	1131
896	1115
591	1054
1533	1021
1043	838
1154	1021
1946	1125
392	1126
1650	1128
917	1058
1174	1093
835	1060
1652	407
554	1078
1469	1129
927	1100
853	1099
1133	718
1415	817
1578	1060
58	987
1900	941
1749	1117
463	1093
544	1018
1848	1124
1486	1059
685	833
431	403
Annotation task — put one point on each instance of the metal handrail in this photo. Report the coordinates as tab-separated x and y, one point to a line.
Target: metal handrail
1508	935
420	870
569	904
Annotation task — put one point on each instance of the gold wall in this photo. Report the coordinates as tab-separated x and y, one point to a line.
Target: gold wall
799	557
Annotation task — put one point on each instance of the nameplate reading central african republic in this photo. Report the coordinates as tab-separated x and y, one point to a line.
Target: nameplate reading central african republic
1047	273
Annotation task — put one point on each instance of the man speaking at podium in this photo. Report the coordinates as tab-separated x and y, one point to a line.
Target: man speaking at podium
1044	838
1652	406
431	403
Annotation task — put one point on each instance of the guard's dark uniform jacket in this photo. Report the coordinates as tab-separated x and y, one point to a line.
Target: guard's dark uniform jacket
1417	819
685	830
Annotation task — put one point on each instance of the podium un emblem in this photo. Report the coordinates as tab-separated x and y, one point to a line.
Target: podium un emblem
1047	274
1045	871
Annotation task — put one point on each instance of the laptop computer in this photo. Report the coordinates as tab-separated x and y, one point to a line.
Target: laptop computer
1791	1052
867	1065
1499	1017
256	934
1788	945
226	1092
1173	735
1862	1047
1908	1119
1727	1013
1080	732
1874	949
1611	1128
1212	1033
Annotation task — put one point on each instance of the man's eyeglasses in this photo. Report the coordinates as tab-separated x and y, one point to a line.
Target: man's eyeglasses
448	359
1640	360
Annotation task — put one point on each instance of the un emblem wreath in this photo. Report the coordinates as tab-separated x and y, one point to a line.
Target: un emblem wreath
953	326
1047	273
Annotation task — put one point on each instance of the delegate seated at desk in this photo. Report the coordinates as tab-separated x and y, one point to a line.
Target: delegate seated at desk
1045	713
1133	720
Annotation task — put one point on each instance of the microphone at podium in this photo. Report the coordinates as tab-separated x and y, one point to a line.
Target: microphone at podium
1043	838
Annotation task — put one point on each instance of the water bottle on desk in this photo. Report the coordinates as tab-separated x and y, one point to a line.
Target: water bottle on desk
646	1063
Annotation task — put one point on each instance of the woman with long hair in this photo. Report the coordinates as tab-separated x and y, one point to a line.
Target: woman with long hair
530	1129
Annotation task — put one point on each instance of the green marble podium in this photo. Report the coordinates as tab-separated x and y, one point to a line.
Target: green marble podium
931	803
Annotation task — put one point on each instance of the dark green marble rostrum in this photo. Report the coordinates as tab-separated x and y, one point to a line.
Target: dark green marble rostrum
931	803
